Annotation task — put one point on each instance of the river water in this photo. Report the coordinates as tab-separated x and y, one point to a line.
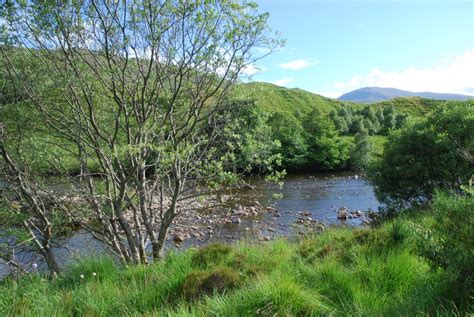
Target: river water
319	196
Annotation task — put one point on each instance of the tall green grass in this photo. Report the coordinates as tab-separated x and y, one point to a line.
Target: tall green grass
341	272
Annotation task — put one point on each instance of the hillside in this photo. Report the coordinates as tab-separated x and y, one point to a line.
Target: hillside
376	94
273	98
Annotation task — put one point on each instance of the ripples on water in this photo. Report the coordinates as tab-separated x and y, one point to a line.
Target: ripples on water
320	194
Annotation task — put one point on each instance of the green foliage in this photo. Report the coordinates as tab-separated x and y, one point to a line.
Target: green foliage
266	127
291	135
247	139
449	244
427	155
375	119
326	150
361	153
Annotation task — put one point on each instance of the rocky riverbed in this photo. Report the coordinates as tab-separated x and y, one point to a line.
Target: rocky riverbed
307	203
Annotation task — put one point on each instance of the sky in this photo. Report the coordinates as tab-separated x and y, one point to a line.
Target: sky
335	46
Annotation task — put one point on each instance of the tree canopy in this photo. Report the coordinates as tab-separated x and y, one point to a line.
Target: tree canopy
427	154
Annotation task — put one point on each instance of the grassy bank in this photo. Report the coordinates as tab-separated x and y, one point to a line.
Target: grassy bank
361	272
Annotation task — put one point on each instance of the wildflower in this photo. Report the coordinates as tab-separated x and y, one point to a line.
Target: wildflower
94	274
82	276
34	266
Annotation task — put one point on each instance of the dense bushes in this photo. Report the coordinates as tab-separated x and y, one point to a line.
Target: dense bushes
426	155
372	119
261	141
326	149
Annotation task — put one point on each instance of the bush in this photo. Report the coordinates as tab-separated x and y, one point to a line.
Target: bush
427	155
450	243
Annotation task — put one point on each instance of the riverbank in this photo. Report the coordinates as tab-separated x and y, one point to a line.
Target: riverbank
341	271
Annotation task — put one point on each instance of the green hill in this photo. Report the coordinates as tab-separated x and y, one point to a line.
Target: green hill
273	98
413	106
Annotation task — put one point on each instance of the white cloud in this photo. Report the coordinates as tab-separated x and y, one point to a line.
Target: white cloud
251	69
453	75
283	81
298	64
329	94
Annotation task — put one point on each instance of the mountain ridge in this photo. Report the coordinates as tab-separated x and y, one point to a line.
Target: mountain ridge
377	94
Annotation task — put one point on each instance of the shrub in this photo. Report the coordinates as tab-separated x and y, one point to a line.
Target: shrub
426	155
450	243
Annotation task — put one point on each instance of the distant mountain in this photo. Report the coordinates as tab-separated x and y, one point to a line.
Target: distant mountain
375	94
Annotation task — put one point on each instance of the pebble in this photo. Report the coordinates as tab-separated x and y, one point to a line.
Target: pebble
235	219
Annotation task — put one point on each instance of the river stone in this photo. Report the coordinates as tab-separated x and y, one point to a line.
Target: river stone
178	237
342	213
235	219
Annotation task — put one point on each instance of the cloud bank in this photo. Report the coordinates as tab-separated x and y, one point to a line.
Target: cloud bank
454	75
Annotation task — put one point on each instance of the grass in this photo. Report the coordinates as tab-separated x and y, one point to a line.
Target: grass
378	142
358	272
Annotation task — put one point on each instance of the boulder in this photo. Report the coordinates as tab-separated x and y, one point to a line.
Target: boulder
342	213
178	237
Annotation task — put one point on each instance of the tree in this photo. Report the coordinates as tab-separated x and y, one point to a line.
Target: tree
248	137
358	124
339	122
389	119
289	132
361	152
26	209
326	150
400	120
424	156
133	88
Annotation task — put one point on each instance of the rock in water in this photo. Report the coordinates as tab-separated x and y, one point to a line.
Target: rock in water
178	238
342	213
235	219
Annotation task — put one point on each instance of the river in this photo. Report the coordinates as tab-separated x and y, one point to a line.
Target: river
316	196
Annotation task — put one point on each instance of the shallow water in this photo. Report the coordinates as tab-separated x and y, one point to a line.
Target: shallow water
319	194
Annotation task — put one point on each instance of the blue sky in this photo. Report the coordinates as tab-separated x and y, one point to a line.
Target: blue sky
336	46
